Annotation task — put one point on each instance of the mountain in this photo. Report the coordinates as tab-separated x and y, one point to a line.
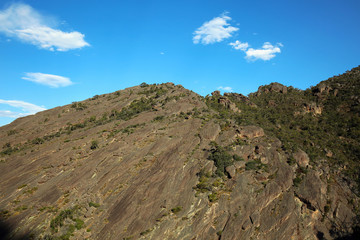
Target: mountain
161	162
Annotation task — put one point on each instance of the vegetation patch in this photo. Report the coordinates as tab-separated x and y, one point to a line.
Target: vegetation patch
59	221
136	107
213	197
158	119
95	205
12	132
94	144
146	232
130	129
78	106
221	158
254	165
176	209
8	149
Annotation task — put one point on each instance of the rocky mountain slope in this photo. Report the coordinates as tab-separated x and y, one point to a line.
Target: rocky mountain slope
161	162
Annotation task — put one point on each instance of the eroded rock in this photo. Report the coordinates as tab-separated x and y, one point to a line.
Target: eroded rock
301	158
250	132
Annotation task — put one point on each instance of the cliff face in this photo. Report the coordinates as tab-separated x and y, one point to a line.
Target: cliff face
161	162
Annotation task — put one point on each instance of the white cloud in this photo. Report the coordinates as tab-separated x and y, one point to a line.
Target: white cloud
23	22
25	108
215	30
266	52
10	114
48	79
226	89
239	45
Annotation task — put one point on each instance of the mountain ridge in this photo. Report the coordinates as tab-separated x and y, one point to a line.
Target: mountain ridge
160	161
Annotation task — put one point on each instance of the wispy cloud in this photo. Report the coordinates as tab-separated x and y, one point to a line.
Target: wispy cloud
25	23
25	108
10	114
239	45
225	89
215	30
48	79
266	52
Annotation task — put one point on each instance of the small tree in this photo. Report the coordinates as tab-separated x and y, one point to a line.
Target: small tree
144	84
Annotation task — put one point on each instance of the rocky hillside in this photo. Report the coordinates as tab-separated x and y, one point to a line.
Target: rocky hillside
161	162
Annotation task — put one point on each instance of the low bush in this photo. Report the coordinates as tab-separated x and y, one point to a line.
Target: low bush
176	210
94	144
221	158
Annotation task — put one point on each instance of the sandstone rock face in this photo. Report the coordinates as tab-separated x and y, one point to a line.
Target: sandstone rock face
272	87
131	174
215	93
210	131
241	98
313	108
322	89
228	104
231	170
301	158
250	132
277	87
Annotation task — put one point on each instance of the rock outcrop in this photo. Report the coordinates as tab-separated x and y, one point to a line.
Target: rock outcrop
272	87
301	158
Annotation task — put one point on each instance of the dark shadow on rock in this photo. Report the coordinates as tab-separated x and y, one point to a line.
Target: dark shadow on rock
355	235
6	233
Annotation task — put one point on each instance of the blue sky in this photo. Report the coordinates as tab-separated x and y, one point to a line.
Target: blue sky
55	52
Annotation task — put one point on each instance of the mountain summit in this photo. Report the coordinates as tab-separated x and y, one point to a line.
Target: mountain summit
161	162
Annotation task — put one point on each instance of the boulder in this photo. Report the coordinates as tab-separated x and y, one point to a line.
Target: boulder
277	87
250	132
312	191
215	93
239	164
228	104
301	158
210	131
313	108
272	87
231	170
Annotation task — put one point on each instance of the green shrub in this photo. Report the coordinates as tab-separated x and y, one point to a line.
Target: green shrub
145	232
78	223
221	158
78	106
136	107
58	221
297	181
94	144
176	210
253	165
213	197
22	186
21	208
237	158
158	118
130	129
95	97
92	119
38	141
144	84
11	132
95	205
